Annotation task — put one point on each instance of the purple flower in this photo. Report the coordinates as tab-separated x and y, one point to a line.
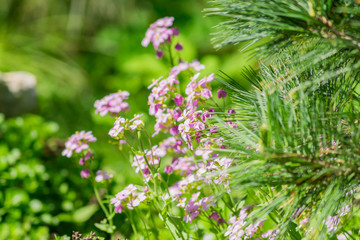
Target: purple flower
174	130
178	99
152	157
85	173
332	223
190	217
160	33
344	211
118	129
206	202
129	197
137	200
163	22
175	31
213	129
221	93
169	169
176	115
112	104
159	54
182	202
77	143
119	209
85	158
214	215
205	80
191	209
304	222
271	234
178	47
101	176
204	153
206	93
192	206
196	65
81	161
231	111
136	123
252	228
236	224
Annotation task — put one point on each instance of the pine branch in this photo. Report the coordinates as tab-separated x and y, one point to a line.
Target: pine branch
298	125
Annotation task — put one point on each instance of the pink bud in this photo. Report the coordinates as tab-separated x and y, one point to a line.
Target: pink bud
159	54
169	170
85	173
221	93
178	47
174	130
175	31
178	99
231	111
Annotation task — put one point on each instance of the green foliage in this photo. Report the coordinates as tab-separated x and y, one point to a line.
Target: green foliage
285	23
82	50
38	193
299	122
318	43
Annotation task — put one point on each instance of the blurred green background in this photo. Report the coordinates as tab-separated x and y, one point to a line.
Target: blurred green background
80	51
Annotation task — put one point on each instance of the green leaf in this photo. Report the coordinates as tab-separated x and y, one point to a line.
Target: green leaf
104	227
83	214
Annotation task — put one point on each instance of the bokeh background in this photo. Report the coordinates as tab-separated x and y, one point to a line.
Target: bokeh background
80	51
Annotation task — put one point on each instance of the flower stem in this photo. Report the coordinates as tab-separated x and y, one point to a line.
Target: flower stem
106	212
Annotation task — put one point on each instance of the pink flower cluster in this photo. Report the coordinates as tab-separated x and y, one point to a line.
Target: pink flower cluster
113	104
195	89
238	228
304	222
160	33
196	174
195	206
184	117
102	176
150	159
173	145
117	131
121	124
216	217
78	143
184	186
271	234
193	162
332	222
185	165
161	89
129	197
216	171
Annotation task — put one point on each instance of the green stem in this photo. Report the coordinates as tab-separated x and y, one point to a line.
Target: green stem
177	227
108	216
100	201
170	55
98	198
132	224
170	230
142	219
169	217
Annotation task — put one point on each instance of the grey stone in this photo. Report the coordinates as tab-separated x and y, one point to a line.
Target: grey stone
17	93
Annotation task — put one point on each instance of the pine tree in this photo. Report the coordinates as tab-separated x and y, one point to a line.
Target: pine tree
298	147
